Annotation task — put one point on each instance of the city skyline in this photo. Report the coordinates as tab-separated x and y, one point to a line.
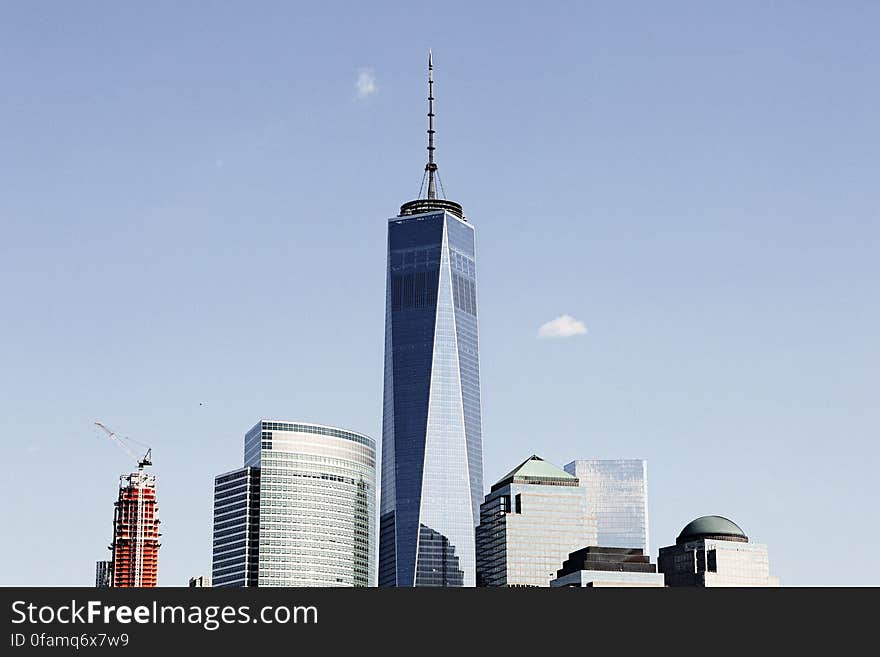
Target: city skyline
691	217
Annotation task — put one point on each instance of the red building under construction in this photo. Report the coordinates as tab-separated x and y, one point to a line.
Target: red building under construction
136	532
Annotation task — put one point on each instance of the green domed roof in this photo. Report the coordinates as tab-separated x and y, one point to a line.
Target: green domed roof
712	527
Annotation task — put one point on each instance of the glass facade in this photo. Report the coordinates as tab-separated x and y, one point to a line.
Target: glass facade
617	496
528	527
714	562
236	528
301	512
432	472
317	505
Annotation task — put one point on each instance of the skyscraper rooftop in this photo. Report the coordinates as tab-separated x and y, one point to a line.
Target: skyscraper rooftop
535	470
432	175
711	527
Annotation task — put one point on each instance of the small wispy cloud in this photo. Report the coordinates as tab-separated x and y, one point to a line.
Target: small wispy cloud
33	449
564	326
365	85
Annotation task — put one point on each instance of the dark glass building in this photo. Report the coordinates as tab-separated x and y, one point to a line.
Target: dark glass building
236	546
103	574
432	466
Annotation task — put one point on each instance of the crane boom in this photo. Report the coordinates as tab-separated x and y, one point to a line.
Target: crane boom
147	458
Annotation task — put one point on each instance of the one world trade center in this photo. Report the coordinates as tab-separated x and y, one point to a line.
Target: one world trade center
432	454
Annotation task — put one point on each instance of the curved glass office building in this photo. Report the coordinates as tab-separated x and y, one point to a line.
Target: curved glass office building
301	512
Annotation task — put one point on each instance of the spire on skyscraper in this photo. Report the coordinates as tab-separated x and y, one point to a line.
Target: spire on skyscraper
431	176
431	167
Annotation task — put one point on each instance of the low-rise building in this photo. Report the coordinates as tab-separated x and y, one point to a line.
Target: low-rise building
714	551
597	566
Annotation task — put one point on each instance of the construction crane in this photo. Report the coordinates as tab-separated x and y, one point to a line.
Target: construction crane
140	481
147	458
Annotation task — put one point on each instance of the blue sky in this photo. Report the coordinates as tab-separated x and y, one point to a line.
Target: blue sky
193	203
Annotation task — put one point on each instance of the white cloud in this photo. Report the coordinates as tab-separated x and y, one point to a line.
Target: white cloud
365	85
564	326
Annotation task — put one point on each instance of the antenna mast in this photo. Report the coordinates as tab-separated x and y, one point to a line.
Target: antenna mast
431	202
431	167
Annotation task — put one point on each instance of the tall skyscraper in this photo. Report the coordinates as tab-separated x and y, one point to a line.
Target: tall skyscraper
432	453
532	519
301	512
135	544
617	499
713	551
